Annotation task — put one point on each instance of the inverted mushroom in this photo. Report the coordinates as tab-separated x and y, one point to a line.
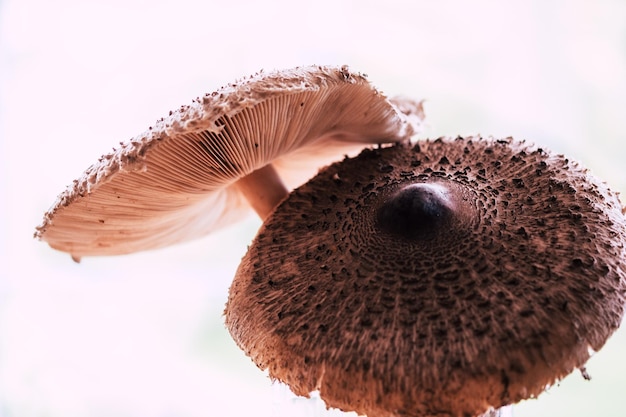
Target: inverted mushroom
446	278
205	164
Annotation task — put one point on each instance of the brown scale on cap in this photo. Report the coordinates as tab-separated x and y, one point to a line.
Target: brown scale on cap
444	279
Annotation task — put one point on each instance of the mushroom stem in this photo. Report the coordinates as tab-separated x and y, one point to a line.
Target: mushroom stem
263	189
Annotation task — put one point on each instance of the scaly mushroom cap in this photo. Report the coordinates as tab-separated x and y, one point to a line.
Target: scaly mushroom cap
176	181
447	278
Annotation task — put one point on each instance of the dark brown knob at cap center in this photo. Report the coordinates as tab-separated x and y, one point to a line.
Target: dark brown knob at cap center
416	211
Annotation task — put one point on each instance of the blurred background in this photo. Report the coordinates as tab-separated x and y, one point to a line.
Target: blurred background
143	335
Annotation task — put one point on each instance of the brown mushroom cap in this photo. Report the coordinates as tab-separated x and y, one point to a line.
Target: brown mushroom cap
446	278
184	177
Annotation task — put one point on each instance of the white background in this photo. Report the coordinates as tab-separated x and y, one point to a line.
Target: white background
142	335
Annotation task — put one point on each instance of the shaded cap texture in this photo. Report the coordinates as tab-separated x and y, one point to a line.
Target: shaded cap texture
444	278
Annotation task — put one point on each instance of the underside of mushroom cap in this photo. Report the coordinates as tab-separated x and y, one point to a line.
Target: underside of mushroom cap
174	182
510	294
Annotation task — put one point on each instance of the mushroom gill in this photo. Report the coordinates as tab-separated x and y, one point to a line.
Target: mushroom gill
203	166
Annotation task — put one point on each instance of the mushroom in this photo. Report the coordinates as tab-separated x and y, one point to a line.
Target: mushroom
449	277
201	167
